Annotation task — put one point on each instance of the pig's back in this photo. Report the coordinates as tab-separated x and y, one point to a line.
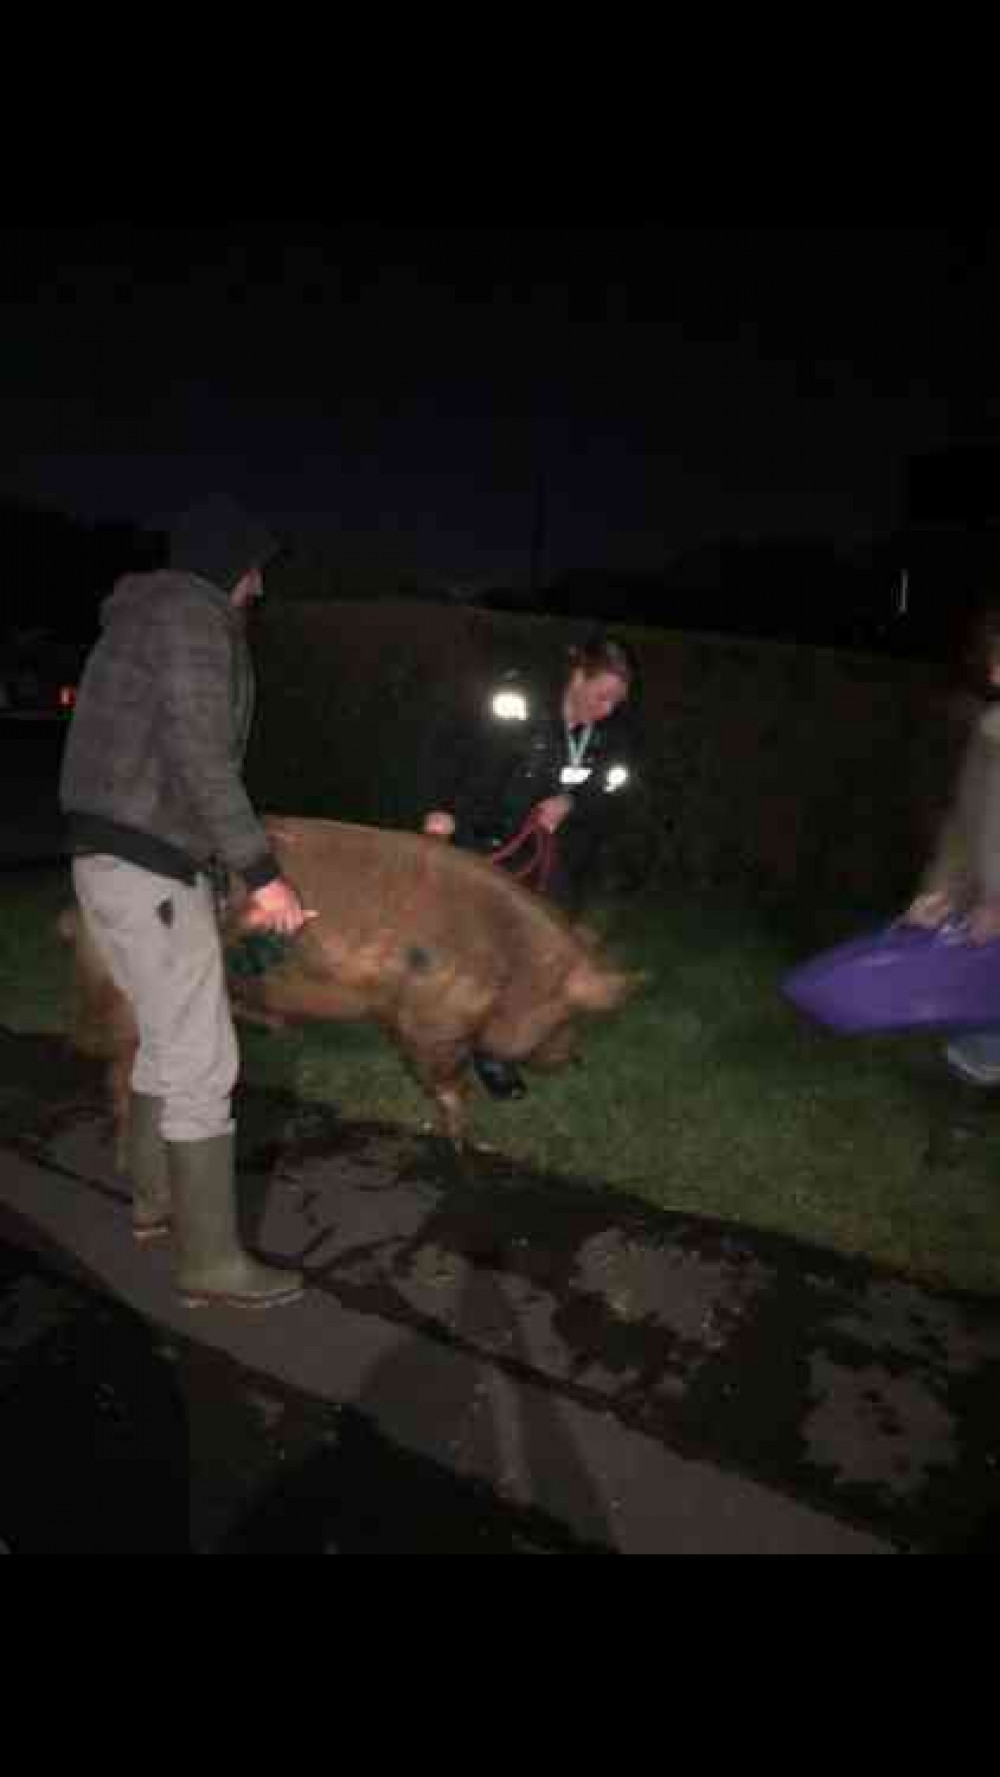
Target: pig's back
368	881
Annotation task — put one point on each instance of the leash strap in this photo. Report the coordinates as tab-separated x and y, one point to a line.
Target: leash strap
536	869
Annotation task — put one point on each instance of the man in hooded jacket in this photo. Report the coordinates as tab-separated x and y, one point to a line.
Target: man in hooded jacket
153	795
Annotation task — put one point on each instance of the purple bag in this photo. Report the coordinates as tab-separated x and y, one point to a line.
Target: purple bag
901	978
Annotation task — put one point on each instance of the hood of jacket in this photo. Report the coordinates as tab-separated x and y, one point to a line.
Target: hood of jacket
218	541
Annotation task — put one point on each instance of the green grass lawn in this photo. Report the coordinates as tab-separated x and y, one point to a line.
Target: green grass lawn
707	1094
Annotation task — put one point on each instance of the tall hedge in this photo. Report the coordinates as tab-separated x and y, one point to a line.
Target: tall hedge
777	767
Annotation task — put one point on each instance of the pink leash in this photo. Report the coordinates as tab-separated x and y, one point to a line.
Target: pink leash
537	868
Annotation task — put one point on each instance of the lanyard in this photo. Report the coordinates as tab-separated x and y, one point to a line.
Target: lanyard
577	748
576	772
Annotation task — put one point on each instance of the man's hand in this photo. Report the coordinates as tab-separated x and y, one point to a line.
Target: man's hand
930	910
552	812
439	825
276	908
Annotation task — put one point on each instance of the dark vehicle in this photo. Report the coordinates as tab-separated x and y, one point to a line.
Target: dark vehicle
39	674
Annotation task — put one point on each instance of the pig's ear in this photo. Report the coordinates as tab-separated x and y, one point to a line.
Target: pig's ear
593	989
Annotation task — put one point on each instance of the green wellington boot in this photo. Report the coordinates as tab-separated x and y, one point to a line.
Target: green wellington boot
146	1162
212	1264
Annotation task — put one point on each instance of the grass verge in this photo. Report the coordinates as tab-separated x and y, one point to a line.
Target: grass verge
707	1095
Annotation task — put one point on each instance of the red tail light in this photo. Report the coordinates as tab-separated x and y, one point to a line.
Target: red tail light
67	696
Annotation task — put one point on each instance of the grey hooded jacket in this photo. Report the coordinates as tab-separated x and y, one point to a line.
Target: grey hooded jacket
152	769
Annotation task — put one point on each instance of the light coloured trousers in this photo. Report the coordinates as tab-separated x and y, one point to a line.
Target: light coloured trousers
160	940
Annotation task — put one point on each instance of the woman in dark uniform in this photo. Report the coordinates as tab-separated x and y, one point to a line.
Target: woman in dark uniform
535	751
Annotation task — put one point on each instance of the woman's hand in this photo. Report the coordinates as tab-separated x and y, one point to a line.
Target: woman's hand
552	812
984	920
930	910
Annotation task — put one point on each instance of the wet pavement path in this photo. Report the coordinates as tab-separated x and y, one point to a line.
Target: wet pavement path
485	1362
121	1439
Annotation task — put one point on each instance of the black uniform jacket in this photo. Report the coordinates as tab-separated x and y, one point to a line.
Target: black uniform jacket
502	748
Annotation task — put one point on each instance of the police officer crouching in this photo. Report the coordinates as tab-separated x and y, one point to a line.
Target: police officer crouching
522	774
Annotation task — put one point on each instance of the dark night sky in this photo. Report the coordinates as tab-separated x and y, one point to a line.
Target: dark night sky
400	389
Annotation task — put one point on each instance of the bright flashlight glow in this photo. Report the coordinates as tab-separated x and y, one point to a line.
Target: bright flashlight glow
510	706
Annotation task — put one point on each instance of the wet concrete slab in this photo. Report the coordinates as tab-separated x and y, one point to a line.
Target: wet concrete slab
601	1376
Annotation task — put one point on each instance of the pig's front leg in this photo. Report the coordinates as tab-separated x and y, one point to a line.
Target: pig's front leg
440	1068
451	1113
